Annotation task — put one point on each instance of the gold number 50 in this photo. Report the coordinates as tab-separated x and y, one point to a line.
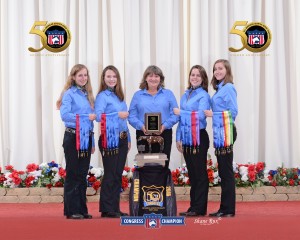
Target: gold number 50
240	33
39	33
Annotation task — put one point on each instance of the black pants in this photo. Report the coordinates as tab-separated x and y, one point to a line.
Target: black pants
227	180
76	172
112	179
167	136
197	170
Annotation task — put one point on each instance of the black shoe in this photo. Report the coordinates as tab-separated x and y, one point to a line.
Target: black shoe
87	216
184	213
220	214
123	214
194	214
110	215
75	216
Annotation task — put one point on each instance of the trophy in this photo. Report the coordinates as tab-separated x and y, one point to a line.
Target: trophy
153	123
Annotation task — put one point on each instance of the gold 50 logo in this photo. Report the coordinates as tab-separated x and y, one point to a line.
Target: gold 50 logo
55	36
255	36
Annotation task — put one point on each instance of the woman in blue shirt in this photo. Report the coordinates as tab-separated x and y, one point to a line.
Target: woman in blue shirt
224	112
192	139
114	142
76	105
152	98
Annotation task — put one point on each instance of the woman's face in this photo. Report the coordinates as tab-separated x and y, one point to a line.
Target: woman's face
153	81
195	78
219	71
110	78
81	77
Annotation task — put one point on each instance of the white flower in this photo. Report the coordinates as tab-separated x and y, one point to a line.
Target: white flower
185	179
98	172
43	165
35	174
129	175
216	174
55	169
243	170
124	174
216	180
56	178
244	178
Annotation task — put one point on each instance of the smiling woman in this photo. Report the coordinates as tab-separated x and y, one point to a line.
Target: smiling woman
154	98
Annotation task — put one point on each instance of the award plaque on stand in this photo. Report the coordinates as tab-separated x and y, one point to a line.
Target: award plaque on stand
153	123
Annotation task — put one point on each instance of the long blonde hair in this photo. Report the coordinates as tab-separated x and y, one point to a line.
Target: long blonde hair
71	82
118	89
228	77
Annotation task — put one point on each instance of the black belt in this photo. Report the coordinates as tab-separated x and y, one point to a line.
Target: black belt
72	130
123	135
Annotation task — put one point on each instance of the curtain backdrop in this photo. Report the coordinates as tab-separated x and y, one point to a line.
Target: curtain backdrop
132	34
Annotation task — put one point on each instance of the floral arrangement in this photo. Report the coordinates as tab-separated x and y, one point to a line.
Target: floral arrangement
253	175
53	175
43	175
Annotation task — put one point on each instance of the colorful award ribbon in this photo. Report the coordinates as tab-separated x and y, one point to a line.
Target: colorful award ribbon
189	128
223	132
110	133
83	132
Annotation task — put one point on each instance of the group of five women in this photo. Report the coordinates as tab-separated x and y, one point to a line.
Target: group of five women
79	109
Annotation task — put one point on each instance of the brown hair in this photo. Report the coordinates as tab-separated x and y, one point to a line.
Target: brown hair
155	70
203	76
118	88
71	82
228	76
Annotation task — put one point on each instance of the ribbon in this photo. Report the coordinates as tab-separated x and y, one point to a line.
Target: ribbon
223	132
189	128
83	131
110	133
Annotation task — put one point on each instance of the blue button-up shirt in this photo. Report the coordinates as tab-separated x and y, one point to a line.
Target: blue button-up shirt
108	102
197	100
142	102
225	99
74	102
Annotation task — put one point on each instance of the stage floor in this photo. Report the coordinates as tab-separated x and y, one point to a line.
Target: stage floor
253	220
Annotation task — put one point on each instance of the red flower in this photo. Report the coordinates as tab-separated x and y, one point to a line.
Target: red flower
58	184
62	172
291	182
96	185
260	166
124	182
251	176
92	179
274	184
28	181
127	169
49	185
9	168
251	168
32	167
2	179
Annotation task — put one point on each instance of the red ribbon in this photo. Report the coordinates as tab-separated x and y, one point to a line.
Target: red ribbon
77	132
103	130
194	128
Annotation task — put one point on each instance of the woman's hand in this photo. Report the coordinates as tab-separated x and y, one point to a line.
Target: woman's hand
93	150
144	130
129	146
208	113
123	115
92	116
176	111
179	146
